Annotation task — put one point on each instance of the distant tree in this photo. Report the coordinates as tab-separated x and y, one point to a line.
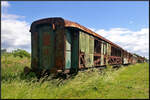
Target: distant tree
21	53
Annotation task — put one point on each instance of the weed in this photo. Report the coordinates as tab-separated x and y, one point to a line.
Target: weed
125	83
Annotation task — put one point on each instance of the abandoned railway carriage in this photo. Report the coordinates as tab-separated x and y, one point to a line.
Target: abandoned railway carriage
60	45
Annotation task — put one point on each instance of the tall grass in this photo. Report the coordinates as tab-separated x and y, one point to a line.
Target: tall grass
126	82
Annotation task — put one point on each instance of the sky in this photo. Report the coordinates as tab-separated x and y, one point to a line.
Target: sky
125	23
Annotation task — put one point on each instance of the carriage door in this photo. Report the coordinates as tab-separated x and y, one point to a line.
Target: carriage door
68	49
46	47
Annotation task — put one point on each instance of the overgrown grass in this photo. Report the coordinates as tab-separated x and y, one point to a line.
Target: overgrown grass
126	82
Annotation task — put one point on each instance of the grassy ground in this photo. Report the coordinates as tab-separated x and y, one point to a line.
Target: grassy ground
127	82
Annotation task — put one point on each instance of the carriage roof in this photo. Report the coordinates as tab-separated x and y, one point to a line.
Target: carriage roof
68	23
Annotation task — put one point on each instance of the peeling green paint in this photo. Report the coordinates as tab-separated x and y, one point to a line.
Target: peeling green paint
87	46
102	54
68	50
75	50
68	60
46	52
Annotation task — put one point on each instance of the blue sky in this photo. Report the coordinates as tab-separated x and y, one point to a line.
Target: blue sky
95	14
123	17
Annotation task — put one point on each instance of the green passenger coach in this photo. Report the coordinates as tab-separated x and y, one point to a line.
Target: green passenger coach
62	46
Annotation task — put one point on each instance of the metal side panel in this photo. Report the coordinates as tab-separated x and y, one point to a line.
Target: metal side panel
91	60
46	47
91	45
105	48
59	48
87	46
40	48
86	43
82	42
68	49
80	39
75	50
109	49
102	54
87	60
87	57
34	40
108	52
91	51
68	40
68	60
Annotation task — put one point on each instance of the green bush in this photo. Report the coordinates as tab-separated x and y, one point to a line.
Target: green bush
21	53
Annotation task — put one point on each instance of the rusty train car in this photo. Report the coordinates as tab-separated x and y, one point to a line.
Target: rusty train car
62	46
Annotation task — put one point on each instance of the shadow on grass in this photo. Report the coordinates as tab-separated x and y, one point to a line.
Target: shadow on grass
58	80
18	76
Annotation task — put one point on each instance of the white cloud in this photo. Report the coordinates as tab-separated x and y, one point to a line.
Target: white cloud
14	32
132	41
5	4
10	16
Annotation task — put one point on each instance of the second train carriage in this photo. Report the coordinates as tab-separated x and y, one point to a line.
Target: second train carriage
60	45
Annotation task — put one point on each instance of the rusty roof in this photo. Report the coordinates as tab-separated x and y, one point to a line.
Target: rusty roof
68	23
73	24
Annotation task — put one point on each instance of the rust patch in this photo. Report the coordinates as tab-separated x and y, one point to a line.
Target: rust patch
73	24
53	27
59	62
114	60
82	60
97	59
35	36
46	39
53	70
46	51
